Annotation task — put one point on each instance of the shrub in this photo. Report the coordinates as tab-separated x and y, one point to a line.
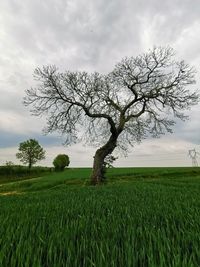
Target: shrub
60	162
17	171
108	161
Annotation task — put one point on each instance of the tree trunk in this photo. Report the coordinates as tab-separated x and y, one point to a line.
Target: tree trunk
98	164
30	164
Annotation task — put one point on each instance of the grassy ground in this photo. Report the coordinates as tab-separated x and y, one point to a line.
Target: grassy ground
142	217
14	173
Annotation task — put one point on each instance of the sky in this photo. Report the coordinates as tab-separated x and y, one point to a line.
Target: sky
91	35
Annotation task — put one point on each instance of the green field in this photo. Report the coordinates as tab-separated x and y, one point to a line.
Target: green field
141	217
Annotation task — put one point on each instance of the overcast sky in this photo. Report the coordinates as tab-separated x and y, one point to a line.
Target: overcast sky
91	35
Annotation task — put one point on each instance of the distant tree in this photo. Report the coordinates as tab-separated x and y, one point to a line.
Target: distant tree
9	163
60	162
137	99
30	152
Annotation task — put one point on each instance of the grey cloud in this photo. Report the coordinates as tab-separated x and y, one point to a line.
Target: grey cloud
89	35
94	29
9	139
190	129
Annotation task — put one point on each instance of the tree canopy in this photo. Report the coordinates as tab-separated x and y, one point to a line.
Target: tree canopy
140	97
30	152
61	161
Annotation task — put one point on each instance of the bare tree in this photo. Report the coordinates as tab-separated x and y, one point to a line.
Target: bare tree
140	97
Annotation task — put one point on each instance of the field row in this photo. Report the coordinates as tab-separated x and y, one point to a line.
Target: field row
128	222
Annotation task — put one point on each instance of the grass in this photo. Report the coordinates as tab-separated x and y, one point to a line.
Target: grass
142	217
69	177
11	173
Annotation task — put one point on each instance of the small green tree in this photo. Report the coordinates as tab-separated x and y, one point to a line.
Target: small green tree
60	162
30	152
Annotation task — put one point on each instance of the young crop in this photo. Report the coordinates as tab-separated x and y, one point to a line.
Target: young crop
130	222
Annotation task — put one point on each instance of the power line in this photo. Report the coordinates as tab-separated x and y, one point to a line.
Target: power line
193	154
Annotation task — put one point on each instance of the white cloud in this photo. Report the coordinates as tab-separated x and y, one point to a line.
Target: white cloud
19	124
167	151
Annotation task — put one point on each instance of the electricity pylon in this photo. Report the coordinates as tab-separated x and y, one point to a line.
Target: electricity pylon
193	154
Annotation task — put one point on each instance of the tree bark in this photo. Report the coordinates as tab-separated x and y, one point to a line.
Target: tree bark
97	176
